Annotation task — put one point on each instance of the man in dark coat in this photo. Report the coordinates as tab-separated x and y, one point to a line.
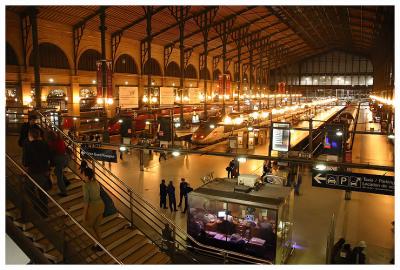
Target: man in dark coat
171	196
36	157
182	190
163	195
23	134
188	189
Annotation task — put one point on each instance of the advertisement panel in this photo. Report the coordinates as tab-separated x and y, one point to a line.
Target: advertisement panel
280	137
128	97
167	96
194	95
100	154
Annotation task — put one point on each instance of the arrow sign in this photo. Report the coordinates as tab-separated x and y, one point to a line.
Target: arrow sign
318	178
361	182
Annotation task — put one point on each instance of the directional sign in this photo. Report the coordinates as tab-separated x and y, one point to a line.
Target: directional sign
370	183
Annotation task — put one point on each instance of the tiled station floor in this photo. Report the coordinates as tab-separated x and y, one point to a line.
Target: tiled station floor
365	217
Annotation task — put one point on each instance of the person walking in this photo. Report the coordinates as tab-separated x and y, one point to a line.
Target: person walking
163	195
357	255
93	207
24	132
163	154
188	189
298	183
36	158
344	254
230	168
171	196
182	190
60	159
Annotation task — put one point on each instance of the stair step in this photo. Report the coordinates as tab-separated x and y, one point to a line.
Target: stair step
165	260
148	254
158	258
126	248
71	203
34	234
146	248
54	255
118	238
9	205
44	244
14	214
72	188
112	226
23	225
70	197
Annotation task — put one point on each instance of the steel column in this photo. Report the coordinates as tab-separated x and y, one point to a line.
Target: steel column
36	56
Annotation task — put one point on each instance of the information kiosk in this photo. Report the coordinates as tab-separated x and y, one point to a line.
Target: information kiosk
255	221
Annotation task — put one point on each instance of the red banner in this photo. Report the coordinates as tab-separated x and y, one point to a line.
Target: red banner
99	80
228	84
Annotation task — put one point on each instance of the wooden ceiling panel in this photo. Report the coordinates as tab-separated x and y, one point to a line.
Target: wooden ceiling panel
310	27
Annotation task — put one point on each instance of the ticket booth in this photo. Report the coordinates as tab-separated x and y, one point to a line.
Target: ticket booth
239	218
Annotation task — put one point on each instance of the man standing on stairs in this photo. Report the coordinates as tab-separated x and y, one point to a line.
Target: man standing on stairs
24	132
60	160
36	157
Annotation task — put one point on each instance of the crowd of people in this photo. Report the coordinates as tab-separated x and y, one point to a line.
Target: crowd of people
169	191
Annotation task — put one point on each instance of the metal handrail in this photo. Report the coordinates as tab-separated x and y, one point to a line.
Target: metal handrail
62	209
222	251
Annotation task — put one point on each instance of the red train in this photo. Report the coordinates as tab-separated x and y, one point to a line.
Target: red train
139	118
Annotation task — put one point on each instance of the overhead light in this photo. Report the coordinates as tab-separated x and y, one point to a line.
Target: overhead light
212	126
145	99
96	119
242	159
51	80
320	167
66	98
250	128
126	83
94	81
122	148
147	122
75	118
120	121
339	133
391	136
152	83
176	153
177	124
109	101
16	99
100	101
173	84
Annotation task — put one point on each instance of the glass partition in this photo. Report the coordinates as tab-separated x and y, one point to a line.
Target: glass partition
232	226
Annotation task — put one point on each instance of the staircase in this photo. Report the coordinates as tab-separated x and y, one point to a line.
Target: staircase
122	240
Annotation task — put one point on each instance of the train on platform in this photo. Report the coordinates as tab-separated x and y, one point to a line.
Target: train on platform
140	118
218	129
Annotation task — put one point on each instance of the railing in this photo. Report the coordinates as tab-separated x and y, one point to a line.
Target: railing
66	234
144	215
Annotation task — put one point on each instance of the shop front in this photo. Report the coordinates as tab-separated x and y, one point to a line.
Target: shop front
87	97
257	223
57	99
